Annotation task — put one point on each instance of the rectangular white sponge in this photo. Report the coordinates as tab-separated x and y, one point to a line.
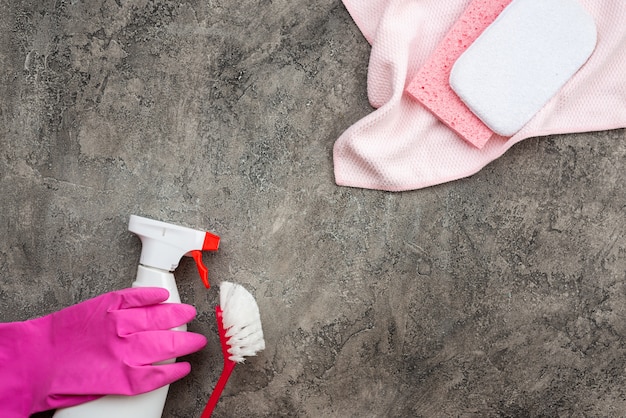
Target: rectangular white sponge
523	59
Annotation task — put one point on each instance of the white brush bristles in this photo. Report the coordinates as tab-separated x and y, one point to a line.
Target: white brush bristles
242	322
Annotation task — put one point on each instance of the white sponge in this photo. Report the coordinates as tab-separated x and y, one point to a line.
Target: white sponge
523	59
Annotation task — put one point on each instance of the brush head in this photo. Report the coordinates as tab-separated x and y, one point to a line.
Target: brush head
241	321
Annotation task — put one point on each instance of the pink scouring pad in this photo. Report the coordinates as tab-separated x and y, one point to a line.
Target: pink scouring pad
431	84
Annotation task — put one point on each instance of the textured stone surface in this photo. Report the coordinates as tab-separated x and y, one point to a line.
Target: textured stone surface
498	295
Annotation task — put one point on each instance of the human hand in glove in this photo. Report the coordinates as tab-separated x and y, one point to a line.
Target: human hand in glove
105	345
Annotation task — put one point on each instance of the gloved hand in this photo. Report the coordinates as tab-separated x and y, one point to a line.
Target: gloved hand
105	345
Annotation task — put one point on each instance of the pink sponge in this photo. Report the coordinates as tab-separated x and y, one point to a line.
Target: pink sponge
431	84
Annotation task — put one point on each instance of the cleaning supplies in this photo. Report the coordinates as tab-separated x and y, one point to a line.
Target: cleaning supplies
431	85
523	59
241	334
163	245
402	146
97	346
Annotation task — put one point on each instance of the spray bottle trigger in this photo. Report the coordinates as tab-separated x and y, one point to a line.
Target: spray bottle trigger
202	270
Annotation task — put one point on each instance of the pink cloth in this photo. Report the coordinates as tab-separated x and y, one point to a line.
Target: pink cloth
105	345
403	146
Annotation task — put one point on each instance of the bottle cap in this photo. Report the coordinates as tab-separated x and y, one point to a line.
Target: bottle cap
164	244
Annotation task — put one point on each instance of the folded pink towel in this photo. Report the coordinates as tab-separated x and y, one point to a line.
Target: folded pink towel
403	146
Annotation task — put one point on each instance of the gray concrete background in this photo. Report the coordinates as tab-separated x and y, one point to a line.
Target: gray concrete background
498	295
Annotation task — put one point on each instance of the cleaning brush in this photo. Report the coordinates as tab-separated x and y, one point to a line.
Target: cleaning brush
241	335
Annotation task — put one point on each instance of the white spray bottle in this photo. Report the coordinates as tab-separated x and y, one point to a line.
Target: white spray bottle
163	245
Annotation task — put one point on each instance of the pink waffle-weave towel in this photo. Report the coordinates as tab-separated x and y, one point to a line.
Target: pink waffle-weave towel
403	146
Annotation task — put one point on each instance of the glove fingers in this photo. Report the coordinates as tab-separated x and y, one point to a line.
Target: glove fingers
143	379
65	401
139	296
153	318
150	347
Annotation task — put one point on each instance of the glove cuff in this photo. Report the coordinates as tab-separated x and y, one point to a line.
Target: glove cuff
24	370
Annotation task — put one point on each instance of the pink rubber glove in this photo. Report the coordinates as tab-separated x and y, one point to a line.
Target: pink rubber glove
105	345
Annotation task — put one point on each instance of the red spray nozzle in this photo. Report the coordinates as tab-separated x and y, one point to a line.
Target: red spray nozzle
211	243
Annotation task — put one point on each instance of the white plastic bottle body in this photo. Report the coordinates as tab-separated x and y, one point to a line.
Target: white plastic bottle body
146	405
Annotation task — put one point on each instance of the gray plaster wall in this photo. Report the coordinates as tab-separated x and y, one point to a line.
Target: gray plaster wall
499	295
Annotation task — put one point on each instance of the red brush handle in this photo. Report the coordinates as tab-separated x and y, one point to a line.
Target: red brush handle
217	392
229	366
